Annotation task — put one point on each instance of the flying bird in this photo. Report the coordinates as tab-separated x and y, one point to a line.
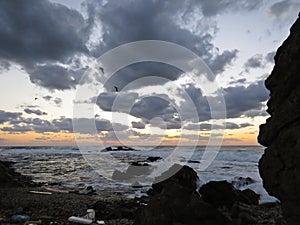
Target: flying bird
117	89
102	70
35	98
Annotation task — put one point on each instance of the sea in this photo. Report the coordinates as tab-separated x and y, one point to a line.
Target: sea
71	168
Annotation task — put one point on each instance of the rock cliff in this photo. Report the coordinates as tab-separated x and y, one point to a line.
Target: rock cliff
280	165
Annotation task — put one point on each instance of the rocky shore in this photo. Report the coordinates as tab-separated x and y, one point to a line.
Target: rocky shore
174	201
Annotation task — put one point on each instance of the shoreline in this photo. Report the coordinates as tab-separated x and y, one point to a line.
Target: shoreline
114	208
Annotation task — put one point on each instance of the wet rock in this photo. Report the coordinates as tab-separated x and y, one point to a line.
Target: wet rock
280	165
239	182
118	148
153	158
134	170
218	193
248	197
193	161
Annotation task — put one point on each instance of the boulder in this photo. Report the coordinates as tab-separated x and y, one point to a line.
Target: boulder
222	193
176	201
218	193
280	165
248	197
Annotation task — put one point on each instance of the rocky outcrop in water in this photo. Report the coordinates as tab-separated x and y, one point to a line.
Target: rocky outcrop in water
280	165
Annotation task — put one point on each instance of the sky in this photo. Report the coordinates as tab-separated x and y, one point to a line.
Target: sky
47	47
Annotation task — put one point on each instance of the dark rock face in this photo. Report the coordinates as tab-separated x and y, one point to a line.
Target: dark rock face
280	165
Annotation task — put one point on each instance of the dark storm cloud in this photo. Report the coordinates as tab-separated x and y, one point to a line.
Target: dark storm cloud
221	61
106	100
239	100
208	126
138	70
214	7
256	61
127	21
55	76
150	107
40	34
8	116
48	39
16	129
138	125
199	102
35	111
145	108
16	123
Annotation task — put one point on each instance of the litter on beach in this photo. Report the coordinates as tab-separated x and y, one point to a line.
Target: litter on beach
41	192
79	220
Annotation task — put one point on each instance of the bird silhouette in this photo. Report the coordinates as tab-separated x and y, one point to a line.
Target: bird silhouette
117	89
35	98
102	70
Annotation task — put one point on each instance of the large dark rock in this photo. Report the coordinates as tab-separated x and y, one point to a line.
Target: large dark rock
176	201
222	193
218	193
280	165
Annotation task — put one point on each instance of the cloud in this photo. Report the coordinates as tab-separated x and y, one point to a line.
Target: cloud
36	112
19	124
221	61
256	61
239	81
270	57
53	43
8	116
38	35
47	97
284	9
157	20
54	76
57	101
138	125
240	99
199	102
106	99
208	126
214	7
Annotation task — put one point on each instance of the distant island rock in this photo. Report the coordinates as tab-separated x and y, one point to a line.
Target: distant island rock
118	148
